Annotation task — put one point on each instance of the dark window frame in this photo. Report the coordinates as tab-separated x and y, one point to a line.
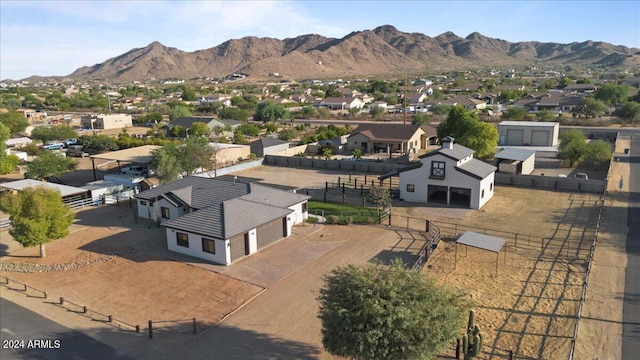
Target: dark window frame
206	248
411	188
164	215
182	242
438	170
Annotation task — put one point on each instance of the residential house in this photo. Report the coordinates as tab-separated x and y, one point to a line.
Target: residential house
469	103
188	121
555	102
580	88
344	103
106	121
448	176
390	138
221	221
268	145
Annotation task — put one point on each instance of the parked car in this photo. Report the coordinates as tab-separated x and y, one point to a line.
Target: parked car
76	151
134	170
53	146
581	176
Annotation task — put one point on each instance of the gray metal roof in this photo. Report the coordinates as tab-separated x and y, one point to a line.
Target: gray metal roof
65	190
480	241
477	168
458	152
267	141
227	219
515	154
528	123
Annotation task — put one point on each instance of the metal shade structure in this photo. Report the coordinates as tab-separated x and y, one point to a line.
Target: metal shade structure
483	242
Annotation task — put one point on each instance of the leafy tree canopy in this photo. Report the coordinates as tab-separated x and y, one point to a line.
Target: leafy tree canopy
50	133
468	131
234	114
48	164
270	111
598	151
573	146
199	128
376	312
37	215
589	108
612	94
420	119
179	111
379	196
629	112
15	121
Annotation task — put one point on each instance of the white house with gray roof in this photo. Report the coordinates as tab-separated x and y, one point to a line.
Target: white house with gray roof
220	220
448	176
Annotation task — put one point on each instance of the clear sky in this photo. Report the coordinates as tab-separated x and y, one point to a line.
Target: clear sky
56	37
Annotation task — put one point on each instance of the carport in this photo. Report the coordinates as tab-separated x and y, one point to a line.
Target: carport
138	155
483	242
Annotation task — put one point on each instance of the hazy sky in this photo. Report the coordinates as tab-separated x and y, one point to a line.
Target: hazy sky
56	37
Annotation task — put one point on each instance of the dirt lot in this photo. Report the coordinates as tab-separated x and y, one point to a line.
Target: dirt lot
529	307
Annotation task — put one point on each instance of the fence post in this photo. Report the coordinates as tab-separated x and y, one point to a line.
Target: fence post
326	186
84	309
343	188
389	218
510	354
458	345
365	178
355	183
61	301
379	217
150	329
45	294
427	226
110	318
25	287
195	327
137	329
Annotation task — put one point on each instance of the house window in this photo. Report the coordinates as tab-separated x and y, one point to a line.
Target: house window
411	188
183	239
144	203
165	212
482	196
491	186
437	169
209	246
304	207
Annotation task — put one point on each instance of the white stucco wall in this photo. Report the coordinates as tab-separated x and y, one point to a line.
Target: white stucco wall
298	216
222	255
174	212
420	179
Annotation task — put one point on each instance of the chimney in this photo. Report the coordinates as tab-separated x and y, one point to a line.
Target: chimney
447	143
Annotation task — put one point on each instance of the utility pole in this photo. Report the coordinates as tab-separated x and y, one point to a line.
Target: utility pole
404	100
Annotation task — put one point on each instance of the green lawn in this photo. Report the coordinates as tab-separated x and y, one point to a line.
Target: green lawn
357	214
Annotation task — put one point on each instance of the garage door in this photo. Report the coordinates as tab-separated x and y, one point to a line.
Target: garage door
460	197
270	232
238	246
437	194
515	137
540	138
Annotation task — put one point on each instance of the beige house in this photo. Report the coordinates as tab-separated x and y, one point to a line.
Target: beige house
106	122
391	138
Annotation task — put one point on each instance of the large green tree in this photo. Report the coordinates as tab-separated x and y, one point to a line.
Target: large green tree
629	112
573	147
37	216
179	111
376	312
612	94
598	151
270	111
15	121
49	163
199	129
49	133
589	108
464	126
173	160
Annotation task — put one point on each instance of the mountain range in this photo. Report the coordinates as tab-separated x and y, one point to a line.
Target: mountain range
382	51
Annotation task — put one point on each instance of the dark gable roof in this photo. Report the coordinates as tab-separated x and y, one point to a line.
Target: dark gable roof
227	219
187	121
476	168
388	132
266	142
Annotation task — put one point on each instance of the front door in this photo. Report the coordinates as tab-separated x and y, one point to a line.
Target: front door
246	244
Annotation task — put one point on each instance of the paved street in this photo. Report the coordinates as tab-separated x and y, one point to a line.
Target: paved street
631	312
23	330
